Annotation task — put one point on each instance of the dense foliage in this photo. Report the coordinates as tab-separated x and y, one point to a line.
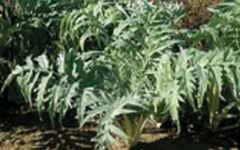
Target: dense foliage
122	63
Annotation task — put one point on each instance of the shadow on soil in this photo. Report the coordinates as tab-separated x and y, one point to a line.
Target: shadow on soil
184	144
23	130
65	140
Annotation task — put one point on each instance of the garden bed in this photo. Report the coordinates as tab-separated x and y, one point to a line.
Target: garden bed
22	130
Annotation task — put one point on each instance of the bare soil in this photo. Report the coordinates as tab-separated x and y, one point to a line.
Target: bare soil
22	130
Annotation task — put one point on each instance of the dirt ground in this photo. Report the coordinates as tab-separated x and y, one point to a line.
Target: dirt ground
22	130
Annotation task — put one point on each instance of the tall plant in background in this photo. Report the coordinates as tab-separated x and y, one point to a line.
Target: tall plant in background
89	28
30	28
226	23
222	29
